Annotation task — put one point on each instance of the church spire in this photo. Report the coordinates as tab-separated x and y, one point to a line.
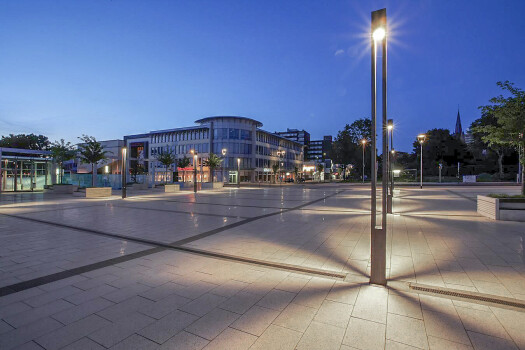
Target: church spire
459	130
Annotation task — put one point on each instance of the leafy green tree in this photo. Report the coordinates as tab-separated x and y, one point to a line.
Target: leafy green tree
213	162
347	147
184	163
485	139
275	168
166	158
91	152
509	113
62	151
26	141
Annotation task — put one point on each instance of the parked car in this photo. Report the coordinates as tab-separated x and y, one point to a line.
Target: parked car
288	180
300	180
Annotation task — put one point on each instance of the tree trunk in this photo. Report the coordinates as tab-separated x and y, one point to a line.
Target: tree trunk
93	176
500	164
211	175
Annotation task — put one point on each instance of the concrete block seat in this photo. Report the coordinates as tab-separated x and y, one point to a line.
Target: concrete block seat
61	189
169	188
98	192
505	209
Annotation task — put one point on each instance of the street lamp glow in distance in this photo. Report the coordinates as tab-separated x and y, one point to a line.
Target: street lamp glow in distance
363	141
238	172
195	158
224	151
123	170
421	138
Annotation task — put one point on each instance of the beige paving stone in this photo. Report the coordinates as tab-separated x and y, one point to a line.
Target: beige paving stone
314	292
393	345
371	304
212	324
256	320
229	288
336	314
343	292
406	330
203	304
481	322
404	304
276	299
442	344
184	341
364	334
240	302
277	338
296	317
135	342
231	339
488	342
321	336
445	326
292	284
163	329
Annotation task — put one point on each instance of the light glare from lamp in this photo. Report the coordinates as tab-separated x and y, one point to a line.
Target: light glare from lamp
379	34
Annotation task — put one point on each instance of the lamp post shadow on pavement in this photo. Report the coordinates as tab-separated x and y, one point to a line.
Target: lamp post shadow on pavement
378	233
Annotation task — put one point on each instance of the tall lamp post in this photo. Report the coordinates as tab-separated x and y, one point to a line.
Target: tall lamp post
378	232
281	156
390	129
195	159
239	172
421	139
363	142
123	171
224	150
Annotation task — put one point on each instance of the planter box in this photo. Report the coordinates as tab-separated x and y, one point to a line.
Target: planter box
170	188
98	192
505	209
135	186
212	185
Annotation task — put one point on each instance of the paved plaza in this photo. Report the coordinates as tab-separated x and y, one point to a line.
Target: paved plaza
258	268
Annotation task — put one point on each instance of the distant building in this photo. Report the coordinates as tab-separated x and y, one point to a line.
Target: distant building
458	132
320	149
301	136
111	165
251	152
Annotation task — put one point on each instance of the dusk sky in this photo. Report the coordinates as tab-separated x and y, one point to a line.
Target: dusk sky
113	68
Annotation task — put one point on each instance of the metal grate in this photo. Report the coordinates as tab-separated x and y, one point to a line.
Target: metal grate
471	296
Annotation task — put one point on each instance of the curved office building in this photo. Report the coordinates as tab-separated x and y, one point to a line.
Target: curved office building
247	150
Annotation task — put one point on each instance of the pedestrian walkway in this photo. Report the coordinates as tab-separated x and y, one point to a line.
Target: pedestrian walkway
258	268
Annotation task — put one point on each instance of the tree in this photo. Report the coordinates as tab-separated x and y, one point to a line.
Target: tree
23	141
91	152
275	169
347	147
441	147
295	172
184	163
213	162
485	139
509	113
166	158
62	151
320	168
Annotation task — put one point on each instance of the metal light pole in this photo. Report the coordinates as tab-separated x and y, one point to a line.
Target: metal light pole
195	158
440	167
378	233
224	150
123	171
421	139
364	144
239	172
390	130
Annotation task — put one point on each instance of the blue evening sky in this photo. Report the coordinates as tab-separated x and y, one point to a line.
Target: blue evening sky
112	68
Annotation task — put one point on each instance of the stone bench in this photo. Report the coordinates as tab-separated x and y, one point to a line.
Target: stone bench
212	185
98	192
170	188
505	209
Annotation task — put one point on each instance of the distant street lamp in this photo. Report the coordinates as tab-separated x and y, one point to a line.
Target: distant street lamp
239	172
281	156
123	171
224	150
363	141
421	139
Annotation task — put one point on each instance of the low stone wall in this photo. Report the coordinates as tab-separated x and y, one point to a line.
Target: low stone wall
98	192
489	207
212	185
171	188
69	189
505	209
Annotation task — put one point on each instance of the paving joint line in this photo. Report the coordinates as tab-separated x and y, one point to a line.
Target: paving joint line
178	211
